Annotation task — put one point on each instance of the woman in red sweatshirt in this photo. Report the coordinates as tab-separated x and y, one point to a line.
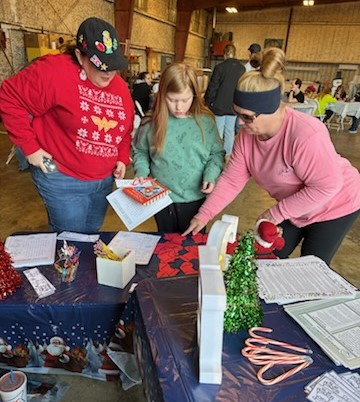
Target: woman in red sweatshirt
72	116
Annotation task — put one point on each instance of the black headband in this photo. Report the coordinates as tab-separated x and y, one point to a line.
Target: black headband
265	102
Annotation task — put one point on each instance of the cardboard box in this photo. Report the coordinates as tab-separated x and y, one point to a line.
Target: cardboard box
34	52
36	40
116	273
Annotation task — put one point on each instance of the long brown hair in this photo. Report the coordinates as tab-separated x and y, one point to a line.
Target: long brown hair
176	78
325	91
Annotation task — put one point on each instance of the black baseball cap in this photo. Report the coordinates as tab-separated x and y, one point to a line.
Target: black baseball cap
100	42
254	48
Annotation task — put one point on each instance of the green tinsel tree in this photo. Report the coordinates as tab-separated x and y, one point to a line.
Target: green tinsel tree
243	308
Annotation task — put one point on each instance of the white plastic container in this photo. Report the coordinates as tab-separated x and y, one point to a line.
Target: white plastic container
116	273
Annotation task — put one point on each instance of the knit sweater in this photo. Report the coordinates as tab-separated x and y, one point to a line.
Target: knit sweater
85	128
299	168
188	157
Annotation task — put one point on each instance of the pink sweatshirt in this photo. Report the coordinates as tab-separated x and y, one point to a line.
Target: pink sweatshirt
299	168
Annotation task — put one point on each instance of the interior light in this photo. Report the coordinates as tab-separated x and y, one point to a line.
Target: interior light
307	3
231	10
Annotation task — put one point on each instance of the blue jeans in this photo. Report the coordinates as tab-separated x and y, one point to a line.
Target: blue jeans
23	163
355	123
72	204
226	127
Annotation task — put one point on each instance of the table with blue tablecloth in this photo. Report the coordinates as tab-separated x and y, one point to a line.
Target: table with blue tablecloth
166	347
81	319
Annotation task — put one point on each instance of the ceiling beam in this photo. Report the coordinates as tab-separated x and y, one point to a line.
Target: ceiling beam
183	19
124	12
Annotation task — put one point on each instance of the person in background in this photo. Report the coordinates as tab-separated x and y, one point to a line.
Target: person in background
340	93
142	91
81	116
310	92
251	64
290	154
295	94
339	96
219	93
355	120
354	125
179	145
155	90
324	98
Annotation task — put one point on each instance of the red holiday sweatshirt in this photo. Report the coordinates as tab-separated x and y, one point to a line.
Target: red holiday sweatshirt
85	128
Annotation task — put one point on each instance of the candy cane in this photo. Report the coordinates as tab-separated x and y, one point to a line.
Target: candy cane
258	352
283	376
262	339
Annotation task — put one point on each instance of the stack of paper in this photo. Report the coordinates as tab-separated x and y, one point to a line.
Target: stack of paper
143	245
299	279
42	286
131	212
333	387
31	250
334	325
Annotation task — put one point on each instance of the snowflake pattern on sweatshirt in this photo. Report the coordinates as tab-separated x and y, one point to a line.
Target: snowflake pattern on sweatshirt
102	122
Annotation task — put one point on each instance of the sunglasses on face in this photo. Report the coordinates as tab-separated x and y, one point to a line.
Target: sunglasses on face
247	118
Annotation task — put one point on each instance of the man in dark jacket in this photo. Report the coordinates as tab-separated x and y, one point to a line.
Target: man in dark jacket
219	95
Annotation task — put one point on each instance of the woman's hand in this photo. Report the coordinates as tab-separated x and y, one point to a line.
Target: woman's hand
120	170
195	226
207	187
37	159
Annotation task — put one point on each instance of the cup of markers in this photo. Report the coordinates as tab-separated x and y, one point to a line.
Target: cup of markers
68	262
67	271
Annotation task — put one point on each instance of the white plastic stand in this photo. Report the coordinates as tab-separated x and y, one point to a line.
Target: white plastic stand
212	304
221	233
212	298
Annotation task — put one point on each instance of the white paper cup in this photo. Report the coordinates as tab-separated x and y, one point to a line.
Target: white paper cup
13	391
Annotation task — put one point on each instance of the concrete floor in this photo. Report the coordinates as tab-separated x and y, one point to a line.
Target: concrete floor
22	210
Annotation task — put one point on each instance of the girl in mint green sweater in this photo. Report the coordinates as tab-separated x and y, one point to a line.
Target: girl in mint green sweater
178	144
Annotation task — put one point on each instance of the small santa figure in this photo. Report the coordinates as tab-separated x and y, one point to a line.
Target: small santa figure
268	237
122	340
5	351
108	367
56	353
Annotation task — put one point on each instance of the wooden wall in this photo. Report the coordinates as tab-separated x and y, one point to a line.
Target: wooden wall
151	29
319	40
56	16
